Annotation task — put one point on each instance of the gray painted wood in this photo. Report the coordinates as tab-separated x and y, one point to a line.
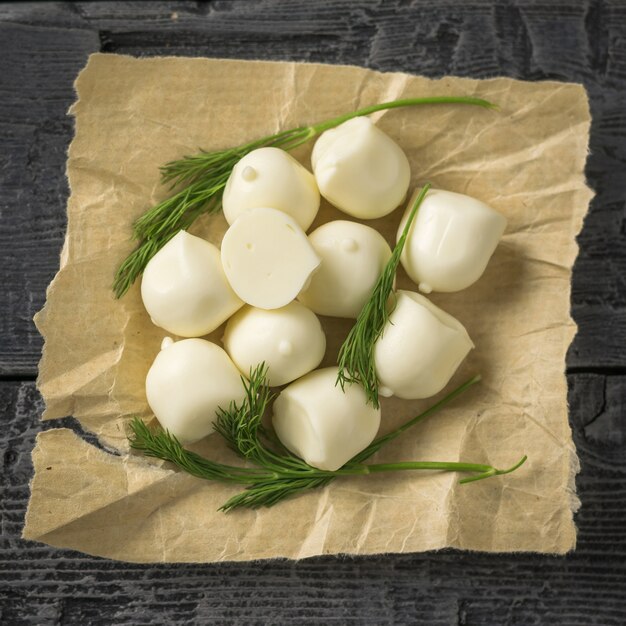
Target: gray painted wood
40	585
43	46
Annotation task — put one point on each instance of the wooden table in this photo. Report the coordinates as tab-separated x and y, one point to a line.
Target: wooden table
43	46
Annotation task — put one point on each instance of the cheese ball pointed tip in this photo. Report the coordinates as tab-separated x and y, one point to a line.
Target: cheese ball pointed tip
187	382
420	349
184	288
352	258
267	258
450	242
323	424
360	169
271	177
290	341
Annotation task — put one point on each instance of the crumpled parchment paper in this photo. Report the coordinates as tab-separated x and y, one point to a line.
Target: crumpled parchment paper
526	160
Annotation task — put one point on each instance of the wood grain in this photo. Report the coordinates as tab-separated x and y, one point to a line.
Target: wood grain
49	586
43	46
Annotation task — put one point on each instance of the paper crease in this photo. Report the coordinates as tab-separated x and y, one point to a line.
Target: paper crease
527	160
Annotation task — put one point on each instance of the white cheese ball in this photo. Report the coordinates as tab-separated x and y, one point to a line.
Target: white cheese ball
450	241
420	349
267	258
322	424
187	383
352	258
270	177
360	169
290	341
184	288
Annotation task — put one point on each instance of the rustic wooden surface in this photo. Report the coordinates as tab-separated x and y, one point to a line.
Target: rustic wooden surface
43	46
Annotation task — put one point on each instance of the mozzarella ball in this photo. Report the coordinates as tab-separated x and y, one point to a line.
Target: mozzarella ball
322	424
450	241
290	341
352	258
270	177
420	349
267	258
187	383
360	169
184	288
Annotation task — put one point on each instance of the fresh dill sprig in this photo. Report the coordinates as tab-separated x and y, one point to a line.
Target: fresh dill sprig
356	355
203	177
277	474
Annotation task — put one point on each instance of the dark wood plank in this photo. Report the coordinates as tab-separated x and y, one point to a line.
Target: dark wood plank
44	45
51	586
38	66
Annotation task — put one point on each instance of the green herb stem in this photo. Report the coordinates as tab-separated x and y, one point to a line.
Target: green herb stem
279	475
396	104
482	471
196	166
356	355
203	177
379	442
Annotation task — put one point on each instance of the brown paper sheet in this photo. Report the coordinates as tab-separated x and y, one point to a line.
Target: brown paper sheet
526	160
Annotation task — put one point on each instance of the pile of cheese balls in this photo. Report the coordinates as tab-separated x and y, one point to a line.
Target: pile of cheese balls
270	280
